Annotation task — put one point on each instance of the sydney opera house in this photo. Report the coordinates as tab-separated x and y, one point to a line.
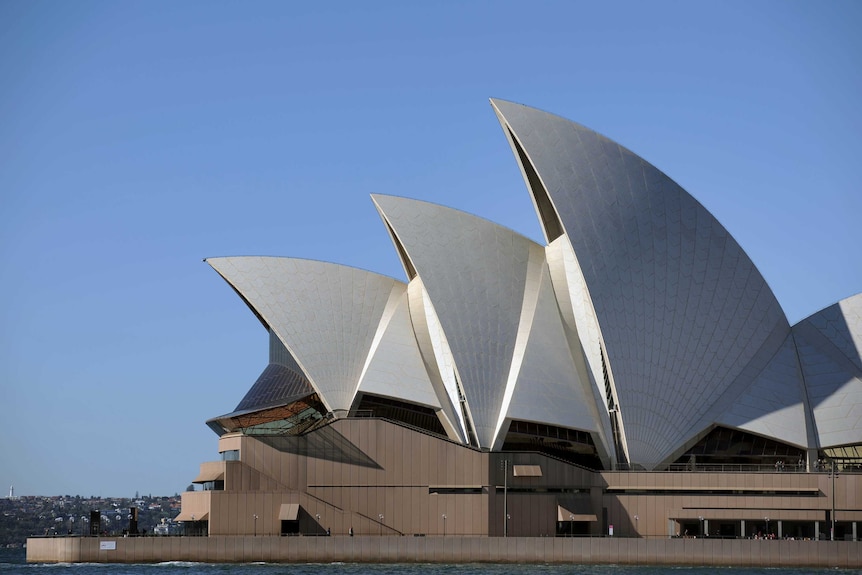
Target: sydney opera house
632	375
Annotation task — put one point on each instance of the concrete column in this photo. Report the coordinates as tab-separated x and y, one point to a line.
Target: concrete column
816	530
706	527
742	528
671	527
855	537
780	530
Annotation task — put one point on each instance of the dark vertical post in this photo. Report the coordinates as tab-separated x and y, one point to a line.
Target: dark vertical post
505	498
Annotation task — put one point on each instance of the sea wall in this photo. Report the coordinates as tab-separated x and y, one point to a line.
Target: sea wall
606	550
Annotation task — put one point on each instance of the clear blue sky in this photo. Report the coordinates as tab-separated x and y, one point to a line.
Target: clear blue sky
137	138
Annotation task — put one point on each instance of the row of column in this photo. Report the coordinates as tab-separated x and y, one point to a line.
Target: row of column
779	524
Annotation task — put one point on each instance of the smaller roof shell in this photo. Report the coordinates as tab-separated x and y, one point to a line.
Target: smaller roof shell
830	353
326	315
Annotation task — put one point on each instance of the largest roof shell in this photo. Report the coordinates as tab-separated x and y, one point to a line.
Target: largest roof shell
682	309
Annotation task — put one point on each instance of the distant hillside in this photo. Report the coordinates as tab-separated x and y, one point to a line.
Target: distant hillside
23	517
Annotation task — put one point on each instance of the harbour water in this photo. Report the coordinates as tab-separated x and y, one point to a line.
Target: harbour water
13	562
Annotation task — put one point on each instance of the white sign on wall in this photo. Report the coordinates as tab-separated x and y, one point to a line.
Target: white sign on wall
107	545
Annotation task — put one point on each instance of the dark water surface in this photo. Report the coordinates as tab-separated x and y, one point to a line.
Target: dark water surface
13	562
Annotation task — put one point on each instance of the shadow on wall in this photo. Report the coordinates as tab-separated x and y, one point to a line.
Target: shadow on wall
325	443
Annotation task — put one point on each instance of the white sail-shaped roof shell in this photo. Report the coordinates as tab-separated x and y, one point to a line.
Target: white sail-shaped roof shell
770	400
395	368
547	385
474	272
326	315
581	326
830	352
681	308
485	284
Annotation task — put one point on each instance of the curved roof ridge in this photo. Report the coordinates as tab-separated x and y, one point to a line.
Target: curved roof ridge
349	266
458	210
847	300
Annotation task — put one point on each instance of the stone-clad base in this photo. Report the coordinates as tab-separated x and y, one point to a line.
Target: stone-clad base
242	549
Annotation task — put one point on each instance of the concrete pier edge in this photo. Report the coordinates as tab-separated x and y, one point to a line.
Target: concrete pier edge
456	549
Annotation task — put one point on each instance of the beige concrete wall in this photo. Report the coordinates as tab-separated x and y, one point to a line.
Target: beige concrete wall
229	441
54	549
404	465
654	511
372	467
399	467
616	550
197	503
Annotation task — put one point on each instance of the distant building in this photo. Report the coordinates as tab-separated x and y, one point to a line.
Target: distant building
633	375
166	527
